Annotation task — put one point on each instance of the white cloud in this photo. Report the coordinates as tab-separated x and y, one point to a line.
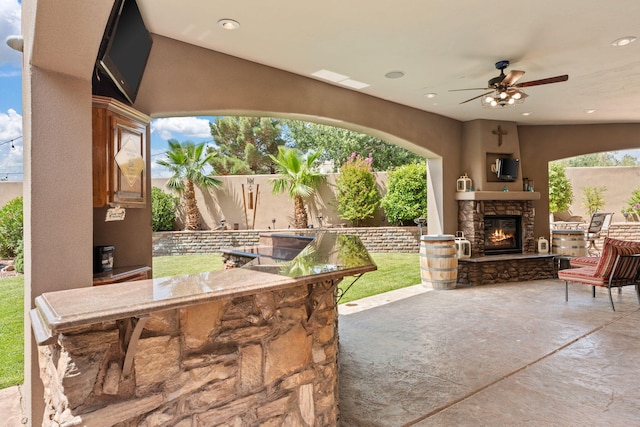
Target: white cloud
10	125
189	127
10	12
11	156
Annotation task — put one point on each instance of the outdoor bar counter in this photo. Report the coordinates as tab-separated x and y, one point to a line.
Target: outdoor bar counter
256	345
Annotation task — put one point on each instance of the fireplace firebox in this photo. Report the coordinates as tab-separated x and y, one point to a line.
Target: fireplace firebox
502	234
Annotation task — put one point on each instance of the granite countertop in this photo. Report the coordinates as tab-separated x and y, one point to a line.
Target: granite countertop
328	257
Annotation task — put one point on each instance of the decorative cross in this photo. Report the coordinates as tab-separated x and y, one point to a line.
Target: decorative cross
499	132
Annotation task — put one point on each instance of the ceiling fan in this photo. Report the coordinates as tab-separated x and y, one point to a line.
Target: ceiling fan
504	90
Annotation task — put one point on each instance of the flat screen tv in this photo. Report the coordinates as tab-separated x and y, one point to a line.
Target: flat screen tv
507	169
124	51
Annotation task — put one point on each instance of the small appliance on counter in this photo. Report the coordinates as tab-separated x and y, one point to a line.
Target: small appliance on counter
103	258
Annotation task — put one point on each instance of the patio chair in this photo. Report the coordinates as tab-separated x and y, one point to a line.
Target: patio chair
618	266
598	226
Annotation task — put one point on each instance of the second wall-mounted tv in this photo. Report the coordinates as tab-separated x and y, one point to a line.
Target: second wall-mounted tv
124	52
507	169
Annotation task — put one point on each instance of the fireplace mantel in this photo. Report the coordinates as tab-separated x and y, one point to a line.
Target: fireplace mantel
498	195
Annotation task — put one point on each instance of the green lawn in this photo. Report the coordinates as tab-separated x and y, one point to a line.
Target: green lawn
164	266
11	331
395	271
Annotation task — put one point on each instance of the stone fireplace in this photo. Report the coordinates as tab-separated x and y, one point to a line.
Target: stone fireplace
499	226
476	218
498	216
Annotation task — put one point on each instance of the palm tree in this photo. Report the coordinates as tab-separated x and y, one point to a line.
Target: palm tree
297	178
187	164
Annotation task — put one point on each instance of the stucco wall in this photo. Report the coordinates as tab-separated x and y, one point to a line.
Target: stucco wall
618	181
226	203
9	191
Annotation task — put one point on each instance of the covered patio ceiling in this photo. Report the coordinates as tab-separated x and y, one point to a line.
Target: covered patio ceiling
434	47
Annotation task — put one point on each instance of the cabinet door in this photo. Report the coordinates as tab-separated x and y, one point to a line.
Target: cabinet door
129	160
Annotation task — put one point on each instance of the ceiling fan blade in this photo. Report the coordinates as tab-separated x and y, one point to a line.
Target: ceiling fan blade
471	88
512	77
546	81
476	97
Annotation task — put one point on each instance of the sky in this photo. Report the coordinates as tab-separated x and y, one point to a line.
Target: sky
194	129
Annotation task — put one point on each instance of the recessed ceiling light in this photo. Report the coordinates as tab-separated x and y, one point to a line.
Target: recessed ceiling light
623	41
589	111
394	74
229	24
527	113
431	95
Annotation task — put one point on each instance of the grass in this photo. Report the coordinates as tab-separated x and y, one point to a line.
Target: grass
395	271
164	266
11	331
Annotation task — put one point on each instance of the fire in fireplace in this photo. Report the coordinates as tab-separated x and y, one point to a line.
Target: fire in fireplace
502	234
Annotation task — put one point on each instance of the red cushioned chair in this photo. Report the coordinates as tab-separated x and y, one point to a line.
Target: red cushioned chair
584	261
618	266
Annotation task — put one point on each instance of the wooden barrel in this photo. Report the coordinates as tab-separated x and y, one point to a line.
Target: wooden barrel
568	242
438	261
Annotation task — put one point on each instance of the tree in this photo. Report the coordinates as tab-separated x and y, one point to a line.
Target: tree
357	195
297	178
593	199
628	160
406	197
187	163
560	190
244	144
337	145
600	159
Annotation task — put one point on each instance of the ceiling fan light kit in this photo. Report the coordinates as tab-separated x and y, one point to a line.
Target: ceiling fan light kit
501	99
505	91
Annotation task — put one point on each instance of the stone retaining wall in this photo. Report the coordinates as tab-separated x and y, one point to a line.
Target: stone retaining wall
375	239
625	231
269	359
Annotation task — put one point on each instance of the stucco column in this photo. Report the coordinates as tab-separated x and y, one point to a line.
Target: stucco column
58	214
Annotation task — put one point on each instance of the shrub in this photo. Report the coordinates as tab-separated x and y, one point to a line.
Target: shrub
406	197
163	210
11	227
593	199
19	261
560	190
357	196
633	205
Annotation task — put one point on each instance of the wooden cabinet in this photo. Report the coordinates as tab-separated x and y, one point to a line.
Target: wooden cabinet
120	137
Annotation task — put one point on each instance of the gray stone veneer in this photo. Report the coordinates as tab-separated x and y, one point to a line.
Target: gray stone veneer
375	239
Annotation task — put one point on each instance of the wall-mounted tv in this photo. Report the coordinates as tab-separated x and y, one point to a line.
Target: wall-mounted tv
507	169
123	53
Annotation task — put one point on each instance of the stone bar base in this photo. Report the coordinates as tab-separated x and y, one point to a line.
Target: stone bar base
268	359
505	268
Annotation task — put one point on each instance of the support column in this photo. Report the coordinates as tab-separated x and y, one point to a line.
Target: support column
58	214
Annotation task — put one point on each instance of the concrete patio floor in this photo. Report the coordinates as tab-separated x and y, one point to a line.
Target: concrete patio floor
511	354
500	355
